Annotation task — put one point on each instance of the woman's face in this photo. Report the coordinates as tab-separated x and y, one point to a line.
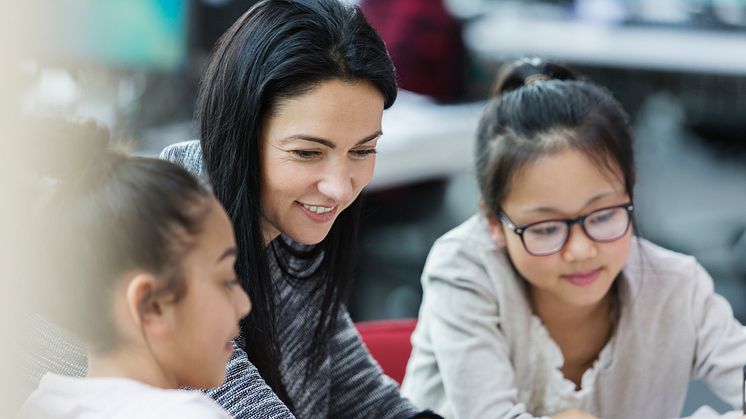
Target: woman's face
317	154
562	186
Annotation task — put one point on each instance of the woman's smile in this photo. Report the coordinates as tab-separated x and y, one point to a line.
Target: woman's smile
318	153
319	213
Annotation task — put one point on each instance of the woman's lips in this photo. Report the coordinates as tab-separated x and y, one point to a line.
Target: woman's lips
324	217
583	279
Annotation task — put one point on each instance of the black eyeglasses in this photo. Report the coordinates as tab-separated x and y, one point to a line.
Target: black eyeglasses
550	236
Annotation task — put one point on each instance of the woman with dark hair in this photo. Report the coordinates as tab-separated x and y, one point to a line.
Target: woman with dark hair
289	114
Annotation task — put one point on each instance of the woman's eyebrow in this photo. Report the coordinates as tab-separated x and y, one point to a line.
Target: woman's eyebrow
370	137
328	143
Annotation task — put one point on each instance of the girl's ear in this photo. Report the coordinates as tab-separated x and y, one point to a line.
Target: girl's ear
151	313
494	226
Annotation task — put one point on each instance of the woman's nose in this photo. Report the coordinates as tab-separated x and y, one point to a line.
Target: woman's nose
338	183
243	304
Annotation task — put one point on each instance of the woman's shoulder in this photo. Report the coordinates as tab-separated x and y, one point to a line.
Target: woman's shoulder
187	154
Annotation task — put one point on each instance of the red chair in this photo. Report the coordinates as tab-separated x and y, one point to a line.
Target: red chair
388	342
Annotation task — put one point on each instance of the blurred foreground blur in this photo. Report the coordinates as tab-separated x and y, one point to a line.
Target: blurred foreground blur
16	210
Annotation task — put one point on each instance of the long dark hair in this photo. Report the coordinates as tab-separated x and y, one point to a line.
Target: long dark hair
541	108
278	50
110	214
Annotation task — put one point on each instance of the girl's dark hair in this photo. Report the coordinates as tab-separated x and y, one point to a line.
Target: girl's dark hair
538	109
109	214
278	50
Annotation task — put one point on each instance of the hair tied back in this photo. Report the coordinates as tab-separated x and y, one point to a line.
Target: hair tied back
534	78
526	71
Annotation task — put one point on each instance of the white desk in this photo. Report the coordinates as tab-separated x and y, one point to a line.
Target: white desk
497	38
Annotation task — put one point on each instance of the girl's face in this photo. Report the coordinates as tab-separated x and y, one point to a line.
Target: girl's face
317	154
563	186
205	320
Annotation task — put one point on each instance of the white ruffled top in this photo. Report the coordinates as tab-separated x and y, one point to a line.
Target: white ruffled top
559	392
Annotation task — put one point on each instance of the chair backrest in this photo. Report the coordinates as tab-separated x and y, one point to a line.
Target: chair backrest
388	341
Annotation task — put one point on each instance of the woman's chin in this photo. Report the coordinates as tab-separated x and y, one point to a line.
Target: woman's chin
309	238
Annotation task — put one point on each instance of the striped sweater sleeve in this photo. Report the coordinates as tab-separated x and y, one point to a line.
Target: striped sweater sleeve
359	387
245	395
187	154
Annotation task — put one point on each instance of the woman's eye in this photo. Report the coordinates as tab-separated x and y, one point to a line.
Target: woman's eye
232	283
363	153
305	154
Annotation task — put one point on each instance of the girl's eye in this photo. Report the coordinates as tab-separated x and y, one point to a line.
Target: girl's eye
305	154
601	217
363	153
232	283
544	229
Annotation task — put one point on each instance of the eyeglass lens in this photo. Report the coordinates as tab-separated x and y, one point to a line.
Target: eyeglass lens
602	225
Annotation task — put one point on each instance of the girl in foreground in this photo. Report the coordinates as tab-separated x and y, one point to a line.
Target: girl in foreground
546	305
139	258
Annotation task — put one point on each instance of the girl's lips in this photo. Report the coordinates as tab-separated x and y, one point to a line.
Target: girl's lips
316	217
583	279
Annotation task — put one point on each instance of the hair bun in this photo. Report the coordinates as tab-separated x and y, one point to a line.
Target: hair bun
526	71
70	149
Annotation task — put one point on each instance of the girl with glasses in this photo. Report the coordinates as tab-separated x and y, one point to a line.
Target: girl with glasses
545	304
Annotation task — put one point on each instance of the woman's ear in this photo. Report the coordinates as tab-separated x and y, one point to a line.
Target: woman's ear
494	226
150	312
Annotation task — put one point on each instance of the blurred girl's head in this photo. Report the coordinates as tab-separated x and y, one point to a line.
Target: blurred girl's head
141	258
552	148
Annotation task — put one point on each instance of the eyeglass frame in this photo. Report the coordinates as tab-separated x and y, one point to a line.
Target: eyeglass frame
519	230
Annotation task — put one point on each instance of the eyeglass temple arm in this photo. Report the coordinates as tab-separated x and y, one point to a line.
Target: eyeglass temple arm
504	218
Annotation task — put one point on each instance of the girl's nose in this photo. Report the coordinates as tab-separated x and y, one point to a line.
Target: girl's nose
579	246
